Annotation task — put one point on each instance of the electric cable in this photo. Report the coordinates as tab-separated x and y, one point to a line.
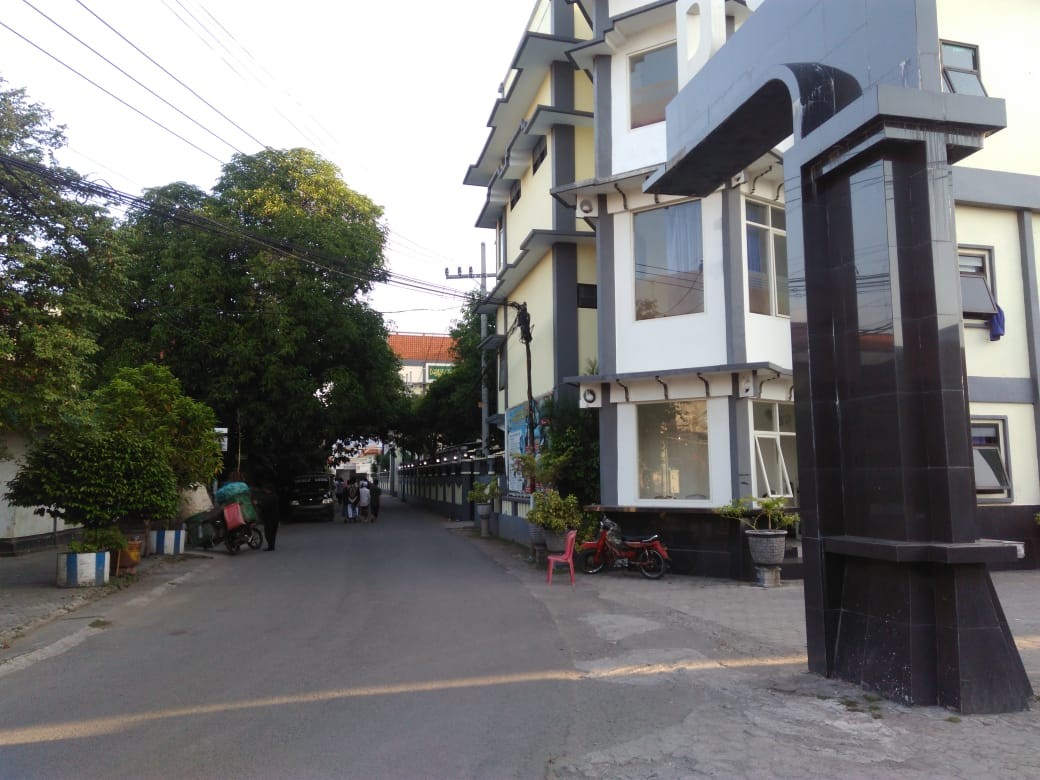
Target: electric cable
110	94
209	105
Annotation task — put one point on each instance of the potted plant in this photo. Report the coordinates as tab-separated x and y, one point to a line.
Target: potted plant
555	515
767	544
94	477
483	495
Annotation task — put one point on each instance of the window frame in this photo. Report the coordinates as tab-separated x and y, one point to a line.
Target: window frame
652	117
988	277
694	254
514	194
538	154
777	436
772	232
1003	495
945	68
703	442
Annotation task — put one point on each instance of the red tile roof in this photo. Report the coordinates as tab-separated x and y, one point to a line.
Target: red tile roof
423	347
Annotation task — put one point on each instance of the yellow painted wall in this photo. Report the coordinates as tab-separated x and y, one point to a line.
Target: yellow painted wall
1007	357
542	98
537	291
1025	474
581	26
584	96
533	210
584	154
1005	32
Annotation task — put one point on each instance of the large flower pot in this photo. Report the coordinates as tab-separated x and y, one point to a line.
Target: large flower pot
125	561
484	515
537	534
167	542
554	542
82	570
767	546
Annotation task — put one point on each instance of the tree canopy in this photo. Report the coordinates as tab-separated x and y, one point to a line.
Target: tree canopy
62	273
253	297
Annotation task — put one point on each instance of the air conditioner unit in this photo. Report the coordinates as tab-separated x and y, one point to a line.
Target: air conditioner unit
590	397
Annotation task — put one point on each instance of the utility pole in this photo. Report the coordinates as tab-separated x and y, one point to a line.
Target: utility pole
483	275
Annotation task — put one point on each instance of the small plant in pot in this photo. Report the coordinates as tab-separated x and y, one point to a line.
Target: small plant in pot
556	515
766	543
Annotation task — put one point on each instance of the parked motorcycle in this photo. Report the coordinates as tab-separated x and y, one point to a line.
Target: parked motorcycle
246	533
612	550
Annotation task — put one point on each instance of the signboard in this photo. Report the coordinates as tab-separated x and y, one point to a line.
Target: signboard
437	370
516	440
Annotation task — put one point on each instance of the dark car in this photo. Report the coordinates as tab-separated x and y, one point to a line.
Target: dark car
312	496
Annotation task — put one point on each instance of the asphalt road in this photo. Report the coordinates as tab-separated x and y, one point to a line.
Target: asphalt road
407	650
352	651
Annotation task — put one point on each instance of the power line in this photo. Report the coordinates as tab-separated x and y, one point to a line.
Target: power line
286	249
164	70
110	94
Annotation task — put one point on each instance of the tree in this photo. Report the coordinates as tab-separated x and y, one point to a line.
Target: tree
62	273
147	403
449	412
252	296
93	477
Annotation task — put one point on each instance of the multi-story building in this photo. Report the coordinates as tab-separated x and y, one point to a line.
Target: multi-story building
545	266
692	341
423	356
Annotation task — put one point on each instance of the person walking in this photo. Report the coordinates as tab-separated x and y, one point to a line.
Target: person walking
376	492
353	495
364	501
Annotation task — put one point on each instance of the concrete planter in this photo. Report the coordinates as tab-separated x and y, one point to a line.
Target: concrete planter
484	515
82	570
767	546
167	542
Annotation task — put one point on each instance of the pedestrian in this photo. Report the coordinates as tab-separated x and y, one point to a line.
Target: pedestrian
341	495
364	501
376	492
353	495
269	513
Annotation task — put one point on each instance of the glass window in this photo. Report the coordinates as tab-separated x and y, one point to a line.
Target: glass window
653	81
960	68
977	300
766	259
669	261
989	457
775	454
673	450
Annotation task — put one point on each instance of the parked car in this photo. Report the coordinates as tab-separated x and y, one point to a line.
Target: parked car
313	497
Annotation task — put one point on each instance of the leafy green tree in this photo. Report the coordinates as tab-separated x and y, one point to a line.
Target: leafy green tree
89	476
62	273
252	296
147	402
449	412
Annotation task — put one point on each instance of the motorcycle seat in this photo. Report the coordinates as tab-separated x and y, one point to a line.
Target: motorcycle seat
640	539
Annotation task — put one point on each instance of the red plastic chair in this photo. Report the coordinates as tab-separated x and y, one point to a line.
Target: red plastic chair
566	557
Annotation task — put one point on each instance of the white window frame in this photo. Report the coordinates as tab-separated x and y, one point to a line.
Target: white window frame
773	233
776	437
999	494
678	256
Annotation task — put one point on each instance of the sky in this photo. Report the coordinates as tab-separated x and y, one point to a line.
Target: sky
396	94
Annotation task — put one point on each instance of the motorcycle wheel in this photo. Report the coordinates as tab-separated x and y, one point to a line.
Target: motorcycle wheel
651	564
590	564
232	543
256	539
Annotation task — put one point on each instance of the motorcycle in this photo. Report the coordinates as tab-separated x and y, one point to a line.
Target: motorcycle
248	532
612	550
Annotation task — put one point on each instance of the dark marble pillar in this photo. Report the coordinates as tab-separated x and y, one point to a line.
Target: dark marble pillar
898	597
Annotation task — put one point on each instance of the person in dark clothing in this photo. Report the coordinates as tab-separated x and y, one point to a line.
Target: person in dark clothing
266	503
374	499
